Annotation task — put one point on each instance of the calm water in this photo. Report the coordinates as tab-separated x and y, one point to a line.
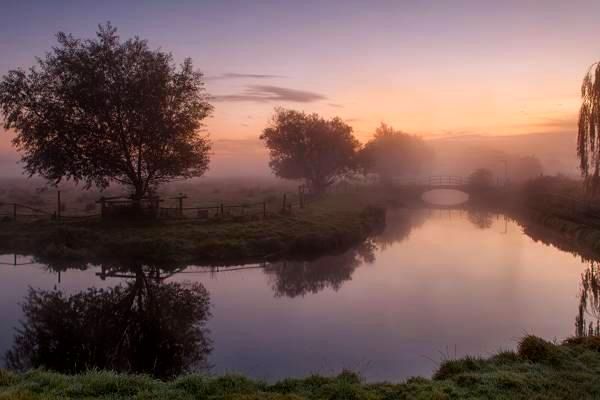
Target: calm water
435	284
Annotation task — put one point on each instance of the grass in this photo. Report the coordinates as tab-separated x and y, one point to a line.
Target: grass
329	224
537	370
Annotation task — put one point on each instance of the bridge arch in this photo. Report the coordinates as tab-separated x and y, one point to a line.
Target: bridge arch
433	183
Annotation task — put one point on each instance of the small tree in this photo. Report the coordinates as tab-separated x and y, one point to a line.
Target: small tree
588	137
481	179
393	153
101	111
307	146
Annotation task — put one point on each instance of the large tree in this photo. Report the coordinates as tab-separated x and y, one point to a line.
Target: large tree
307	146
588	138
101	110
393	153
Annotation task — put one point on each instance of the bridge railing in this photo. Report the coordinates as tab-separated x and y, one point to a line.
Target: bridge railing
434	180
446	180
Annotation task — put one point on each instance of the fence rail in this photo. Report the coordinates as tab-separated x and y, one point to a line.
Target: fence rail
433	180
118	207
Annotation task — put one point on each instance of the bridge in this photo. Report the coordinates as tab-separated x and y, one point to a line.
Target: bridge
452	182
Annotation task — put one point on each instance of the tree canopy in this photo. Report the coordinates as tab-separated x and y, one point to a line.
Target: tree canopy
588	137
394	153
307	146
481	179
101	110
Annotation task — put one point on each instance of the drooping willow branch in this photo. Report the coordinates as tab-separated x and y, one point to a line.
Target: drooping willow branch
588	149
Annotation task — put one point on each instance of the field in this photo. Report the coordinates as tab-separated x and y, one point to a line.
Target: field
328	224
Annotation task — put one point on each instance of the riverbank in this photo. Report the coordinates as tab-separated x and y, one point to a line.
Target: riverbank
560	205
537	370
331	224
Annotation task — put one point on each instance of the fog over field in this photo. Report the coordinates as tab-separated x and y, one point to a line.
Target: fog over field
456	155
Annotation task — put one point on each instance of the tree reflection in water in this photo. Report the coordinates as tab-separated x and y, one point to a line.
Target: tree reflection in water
482	219
142	326
299	278
589	303
399	225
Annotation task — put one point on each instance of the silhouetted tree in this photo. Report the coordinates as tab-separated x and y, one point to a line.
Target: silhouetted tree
143	326
588	137
394	153
101	111
481	179
307	146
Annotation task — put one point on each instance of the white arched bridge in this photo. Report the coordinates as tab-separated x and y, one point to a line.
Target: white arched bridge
425	184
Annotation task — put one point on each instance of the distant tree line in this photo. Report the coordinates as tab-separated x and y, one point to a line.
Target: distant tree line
103	111
309	147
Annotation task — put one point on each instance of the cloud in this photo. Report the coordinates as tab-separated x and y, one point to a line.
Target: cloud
335	105
267	93
564	123
236	75
561	123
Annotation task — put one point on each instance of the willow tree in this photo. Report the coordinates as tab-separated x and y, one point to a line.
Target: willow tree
101	110
588	137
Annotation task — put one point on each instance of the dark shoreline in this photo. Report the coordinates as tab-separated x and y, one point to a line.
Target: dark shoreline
214	244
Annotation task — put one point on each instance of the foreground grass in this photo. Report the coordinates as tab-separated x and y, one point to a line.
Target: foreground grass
538	370
332	223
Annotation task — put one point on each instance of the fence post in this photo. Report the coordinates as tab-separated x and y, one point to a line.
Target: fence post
15	211
301	196
222	210
264	209
284	202
102	207
58	205
180	205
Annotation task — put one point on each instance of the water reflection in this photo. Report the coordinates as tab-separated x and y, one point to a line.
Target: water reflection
587	321
399	225
482	219
142	326
273	320
299	278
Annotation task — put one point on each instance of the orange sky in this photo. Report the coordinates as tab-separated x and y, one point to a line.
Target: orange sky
475	67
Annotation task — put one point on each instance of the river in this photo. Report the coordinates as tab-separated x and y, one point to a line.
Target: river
436	284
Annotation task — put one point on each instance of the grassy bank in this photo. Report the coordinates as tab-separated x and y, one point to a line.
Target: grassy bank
327	225
560	205
537	370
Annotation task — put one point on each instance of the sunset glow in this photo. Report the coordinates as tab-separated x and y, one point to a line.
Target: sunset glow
476	68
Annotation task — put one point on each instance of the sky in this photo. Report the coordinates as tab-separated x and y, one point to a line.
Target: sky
431	68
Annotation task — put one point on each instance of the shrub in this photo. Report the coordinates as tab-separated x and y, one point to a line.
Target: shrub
451	368
535	349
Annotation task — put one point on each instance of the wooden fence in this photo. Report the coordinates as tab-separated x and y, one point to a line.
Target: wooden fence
156	208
